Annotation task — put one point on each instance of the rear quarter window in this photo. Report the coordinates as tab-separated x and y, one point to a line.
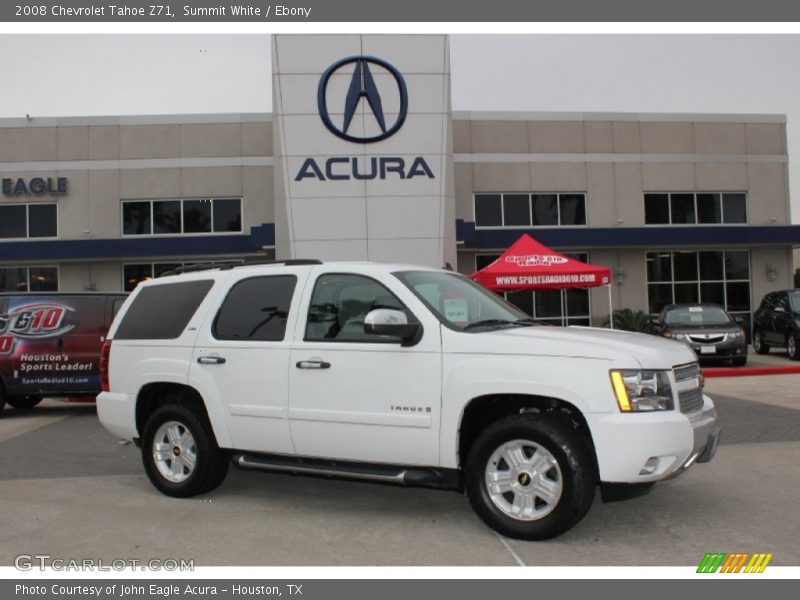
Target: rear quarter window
256	309
162	312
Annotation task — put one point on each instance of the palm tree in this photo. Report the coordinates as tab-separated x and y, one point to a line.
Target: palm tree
632	320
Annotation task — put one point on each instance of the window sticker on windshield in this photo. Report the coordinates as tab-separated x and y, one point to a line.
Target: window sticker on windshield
455	310
695	309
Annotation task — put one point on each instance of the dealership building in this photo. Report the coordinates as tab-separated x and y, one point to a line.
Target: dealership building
363	158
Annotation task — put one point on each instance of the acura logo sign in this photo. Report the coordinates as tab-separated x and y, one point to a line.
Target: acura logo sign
362	85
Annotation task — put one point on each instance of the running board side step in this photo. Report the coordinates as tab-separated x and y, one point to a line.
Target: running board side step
410	476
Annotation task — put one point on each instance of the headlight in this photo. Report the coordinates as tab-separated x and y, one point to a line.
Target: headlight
674	336
736	334
642	391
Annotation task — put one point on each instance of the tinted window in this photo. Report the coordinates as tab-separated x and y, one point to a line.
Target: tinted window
167	216
516	209
339	304
573	209
711	266
488	211
13	221
42	220
162	312
228	215
735	207
545	209
656	209
708	208
685	265
43	279
683	208
737	264
484	260
133	275
136	218
197	216
256	309
13	279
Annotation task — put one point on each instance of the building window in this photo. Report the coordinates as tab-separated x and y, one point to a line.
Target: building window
38	220
134	274
715	276
28	279
559	307
529	210
189	216
703	208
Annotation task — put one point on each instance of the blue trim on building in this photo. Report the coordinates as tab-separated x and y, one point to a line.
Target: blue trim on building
133	247
632	237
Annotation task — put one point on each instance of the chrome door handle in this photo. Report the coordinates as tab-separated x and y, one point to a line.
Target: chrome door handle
313	364
211	359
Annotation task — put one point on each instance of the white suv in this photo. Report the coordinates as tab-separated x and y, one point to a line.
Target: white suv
401	374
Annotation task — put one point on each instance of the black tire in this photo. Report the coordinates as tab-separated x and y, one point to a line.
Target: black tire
571	451
211	463
23	402
2	400
739	361
759	345
793	346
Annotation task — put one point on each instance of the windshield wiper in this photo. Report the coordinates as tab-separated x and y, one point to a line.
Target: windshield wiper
489	323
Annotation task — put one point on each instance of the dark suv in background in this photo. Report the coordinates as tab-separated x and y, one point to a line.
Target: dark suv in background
708	329
777	323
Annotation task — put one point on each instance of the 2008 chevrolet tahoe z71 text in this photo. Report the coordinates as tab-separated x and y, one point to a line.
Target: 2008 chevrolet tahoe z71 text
396	373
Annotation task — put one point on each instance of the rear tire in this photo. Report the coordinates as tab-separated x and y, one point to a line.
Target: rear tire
180	453
759	345
23	402
792	348
531	477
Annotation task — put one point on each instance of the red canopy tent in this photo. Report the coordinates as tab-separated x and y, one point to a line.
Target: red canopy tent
529	265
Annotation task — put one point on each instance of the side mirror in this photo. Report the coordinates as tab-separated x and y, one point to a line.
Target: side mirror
394	323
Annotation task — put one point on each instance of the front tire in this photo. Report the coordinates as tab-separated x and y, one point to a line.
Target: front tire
180	453
758	343
531	477
23	402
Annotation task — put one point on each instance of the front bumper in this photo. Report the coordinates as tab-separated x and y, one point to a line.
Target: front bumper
722	351
650	447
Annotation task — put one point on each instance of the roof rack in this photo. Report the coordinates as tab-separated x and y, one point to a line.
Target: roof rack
290	262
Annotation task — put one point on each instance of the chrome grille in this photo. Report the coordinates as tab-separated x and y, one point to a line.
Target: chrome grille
684	372
691	400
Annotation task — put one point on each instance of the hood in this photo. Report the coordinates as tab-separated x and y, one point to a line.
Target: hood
622	347
699	328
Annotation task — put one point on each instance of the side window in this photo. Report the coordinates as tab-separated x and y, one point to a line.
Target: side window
782	301
256	309
339	304
162	312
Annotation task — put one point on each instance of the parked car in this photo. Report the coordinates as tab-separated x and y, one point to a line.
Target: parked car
776	323
708	329
397	374
50	345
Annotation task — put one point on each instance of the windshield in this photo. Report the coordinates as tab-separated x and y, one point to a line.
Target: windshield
697	315
461	303
795	301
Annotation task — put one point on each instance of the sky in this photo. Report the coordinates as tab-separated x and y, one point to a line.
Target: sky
79	75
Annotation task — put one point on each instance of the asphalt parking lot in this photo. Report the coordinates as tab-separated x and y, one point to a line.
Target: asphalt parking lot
68	489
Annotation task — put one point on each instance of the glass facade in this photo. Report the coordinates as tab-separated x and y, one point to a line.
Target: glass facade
701	208
188	216
28	279
530	210
716	276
